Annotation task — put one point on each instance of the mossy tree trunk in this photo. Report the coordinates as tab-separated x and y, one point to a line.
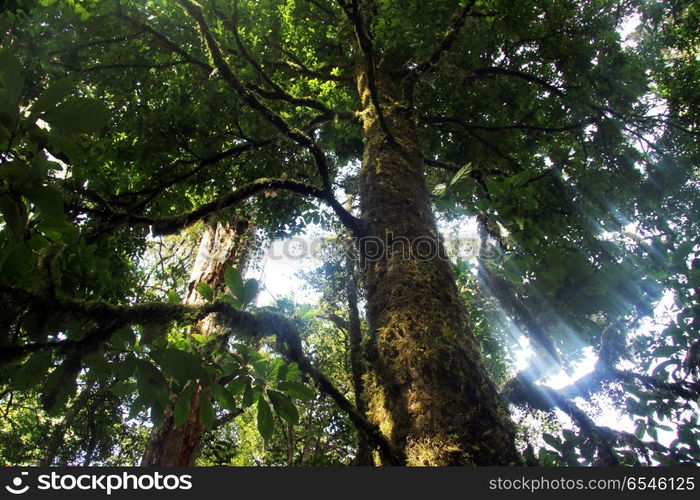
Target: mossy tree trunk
428	389
221	246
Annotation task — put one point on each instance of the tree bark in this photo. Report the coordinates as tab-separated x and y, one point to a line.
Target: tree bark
428	389
221	246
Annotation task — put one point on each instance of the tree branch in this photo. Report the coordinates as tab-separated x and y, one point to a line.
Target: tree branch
519	74
246	324
175	223
456	24
352	12
93	43
500	128
522	390
250	99
165	41
203	163
279	92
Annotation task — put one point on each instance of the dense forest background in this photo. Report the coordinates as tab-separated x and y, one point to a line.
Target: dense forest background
151	151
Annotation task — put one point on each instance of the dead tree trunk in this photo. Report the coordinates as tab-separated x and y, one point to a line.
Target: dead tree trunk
221	246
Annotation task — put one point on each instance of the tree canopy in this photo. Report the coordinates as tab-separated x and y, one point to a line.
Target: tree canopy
127	127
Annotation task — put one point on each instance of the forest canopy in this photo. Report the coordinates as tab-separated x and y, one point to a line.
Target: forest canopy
152	150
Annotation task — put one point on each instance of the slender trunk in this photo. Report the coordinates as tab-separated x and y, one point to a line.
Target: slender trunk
357	360
57	436
221	246
428	389
290	445
306	450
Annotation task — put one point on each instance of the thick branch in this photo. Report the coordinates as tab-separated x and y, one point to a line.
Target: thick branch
203	163
111	317
175	223
244	323
352	12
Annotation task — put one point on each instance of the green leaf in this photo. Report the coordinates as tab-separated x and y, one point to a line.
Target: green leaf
137	406
124	338
222	396
173	297
266	423
284	406
206	411
234	282
230	366
250	291
78	115
461	174
238	384
201	339
32	371
665	351
231	300
50	97
14	214
60	385
205	291
126	368
9	115
183	404
248	396
260	367
123	388
98	367
20	174
281	373
48	200
273	368
179	364
19	266
570	435
11	75
546	458
157	413
151	383
440	189
297	390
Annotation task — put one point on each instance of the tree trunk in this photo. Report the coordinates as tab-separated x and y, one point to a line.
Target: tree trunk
428	389
357	360
221	246
58	434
